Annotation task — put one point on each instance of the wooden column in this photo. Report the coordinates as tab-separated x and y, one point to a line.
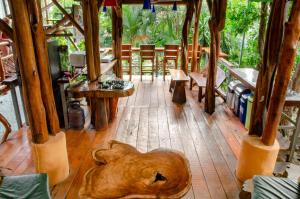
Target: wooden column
198	5
88	36
286	60
117	30
216	24
268	67
91	34
185	33
29	71
41	54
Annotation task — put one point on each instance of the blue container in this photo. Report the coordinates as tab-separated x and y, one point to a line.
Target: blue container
238	92
243	107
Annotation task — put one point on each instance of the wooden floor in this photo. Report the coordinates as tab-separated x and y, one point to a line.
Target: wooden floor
149	120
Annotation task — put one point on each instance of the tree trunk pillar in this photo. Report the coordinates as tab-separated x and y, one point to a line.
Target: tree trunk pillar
185	34
29	71
198	5
287	57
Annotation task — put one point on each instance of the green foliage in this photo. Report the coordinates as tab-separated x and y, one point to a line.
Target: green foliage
165	26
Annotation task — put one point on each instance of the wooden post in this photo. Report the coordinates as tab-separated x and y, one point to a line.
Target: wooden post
41	54
54	27
198	5
117	30
268	67
286	60
29	71
95	33
91	30
185	34
88	35
216	24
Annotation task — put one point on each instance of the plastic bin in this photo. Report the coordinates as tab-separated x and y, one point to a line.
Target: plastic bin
230	93
249	111
243	107
238	92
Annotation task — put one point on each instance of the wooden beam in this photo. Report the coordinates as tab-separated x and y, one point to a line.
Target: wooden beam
268	67
72	20
6	29
59	35
58	24
194	64
29	71
185	33
72	42
287	57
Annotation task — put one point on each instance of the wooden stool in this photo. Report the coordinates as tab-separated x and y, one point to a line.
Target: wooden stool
147	52
178	79
127	56
171	53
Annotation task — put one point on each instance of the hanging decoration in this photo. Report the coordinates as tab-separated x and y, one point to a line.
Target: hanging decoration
104	9
147	5
174	6
153	9
110	3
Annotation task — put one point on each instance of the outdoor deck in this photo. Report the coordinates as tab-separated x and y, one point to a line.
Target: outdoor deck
149	120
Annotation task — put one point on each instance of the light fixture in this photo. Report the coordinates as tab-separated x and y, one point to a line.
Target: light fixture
110	3
147	5
174	6
104	9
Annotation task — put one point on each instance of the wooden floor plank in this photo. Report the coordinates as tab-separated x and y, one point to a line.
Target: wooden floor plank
148	120
153	134
142	135
209	171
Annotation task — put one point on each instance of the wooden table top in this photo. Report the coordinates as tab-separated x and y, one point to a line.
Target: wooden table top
93	90
248	76
178	75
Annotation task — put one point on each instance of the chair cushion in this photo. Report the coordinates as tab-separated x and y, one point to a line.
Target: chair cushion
273	187
26	186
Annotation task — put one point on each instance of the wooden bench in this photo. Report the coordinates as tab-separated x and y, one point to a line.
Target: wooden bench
178	79
200	81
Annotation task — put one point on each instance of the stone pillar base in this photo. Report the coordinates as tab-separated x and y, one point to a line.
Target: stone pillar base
256	158
52	158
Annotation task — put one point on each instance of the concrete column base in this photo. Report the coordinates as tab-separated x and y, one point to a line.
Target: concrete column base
256	158
52	158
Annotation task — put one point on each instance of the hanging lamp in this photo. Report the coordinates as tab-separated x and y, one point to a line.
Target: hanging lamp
153	9
174	6
147	5
104	9
110	3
